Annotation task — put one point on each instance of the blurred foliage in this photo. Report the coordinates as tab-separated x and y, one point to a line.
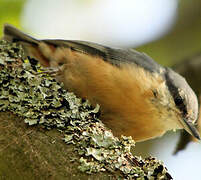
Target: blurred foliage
183	40
10	12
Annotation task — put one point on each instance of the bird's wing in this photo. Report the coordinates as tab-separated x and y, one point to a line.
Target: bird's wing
111	55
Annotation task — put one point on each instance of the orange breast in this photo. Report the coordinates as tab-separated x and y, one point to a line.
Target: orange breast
123	94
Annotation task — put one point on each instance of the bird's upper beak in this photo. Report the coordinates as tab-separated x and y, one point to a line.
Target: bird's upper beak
190	128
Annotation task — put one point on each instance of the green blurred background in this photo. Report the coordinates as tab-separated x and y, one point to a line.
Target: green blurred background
10	12
183	40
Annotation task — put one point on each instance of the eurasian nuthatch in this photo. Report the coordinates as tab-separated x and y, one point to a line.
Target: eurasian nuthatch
137	96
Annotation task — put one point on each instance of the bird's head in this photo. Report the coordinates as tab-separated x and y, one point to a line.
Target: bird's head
185	101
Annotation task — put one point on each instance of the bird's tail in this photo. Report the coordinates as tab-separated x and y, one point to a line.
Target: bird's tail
13	34
30	44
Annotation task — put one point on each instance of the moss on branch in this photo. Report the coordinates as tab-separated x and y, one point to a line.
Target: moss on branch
62	137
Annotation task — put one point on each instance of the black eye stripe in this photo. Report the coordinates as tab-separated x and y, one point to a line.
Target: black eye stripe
180	104
178	101
175	94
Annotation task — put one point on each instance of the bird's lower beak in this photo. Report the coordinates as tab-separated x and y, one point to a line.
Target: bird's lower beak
190	128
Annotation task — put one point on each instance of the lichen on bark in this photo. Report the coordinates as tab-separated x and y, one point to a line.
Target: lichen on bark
37	98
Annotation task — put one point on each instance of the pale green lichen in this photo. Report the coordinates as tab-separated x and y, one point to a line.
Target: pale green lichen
40	99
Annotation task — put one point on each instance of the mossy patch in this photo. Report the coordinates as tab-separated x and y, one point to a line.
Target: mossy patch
26	90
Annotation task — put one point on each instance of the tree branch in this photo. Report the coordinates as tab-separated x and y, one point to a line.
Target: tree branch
37	151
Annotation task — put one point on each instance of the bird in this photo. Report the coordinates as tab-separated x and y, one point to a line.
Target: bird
137	96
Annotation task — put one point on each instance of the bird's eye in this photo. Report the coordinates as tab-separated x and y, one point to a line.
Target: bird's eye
181	105
178	101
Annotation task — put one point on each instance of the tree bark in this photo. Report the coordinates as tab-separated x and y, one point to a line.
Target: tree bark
28	152
32	152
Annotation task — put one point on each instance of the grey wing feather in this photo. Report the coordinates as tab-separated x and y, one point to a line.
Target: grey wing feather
111	55
14	35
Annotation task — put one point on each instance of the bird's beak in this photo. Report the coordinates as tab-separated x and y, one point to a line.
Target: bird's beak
190	128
